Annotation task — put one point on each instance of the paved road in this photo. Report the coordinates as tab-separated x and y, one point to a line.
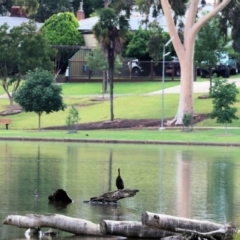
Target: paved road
198	87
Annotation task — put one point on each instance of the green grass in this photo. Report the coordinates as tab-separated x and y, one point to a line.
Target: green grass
135	106
119	87
197	136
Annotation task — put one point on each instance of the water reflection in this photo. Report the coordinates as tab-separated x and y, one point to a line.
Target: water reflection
196	182
184	160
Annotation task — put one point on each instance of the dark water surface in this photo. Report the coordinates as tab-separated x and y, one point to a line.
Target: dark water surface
196	182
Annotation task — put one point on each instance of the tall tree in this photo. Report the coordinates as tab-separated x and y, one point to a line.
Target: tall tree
5	6
61	29
22	48
39	93
48	8
230	18
110	32
184	48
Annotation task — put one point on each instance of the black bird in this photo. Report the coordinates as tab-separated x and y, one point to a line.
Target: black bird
119	181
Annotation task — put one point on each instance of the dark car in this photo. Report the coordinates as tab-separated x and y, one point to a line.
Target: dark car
225	67
173	67
143	68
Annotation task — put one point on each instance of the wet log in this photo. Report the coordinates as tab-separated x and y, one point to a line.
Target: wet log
113	196
68	224
228	232
131	229
170	223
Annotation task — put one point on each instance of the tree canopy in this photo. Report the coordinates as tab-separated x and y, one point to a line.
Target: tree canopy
48	8
22	48
61	29
39	93
147	44
224	96
210	46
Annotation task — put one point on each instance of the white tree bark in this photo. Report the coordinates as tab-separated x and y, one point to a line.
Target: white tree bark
132	229
185	51
171	223
68	224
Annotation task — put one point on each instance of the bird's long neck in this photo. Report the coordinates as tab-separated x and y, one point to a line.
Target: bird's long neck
119	172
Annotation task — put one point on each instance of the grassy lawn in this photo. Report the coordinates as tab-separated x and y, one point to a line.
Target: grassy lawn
119	87
197	136
133	106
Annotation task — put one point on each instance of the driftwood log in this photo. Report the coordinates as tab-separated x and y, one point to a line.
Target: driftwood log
72	225
131	229
204	229
170	223
152	226
113	196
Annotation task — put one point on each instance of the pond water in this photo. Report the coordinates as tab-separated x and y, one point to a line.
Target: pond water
195	182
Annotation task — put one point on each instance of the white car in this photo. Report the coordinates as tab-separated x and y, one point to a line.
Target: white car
135	68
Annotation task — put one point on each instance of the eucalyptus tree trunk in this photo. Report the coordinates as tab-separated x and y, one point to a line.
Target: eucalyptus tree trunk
185	50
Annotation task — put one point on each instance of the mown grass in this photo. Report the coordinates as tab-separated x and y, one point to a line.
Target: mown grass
133	105
174	136
119	87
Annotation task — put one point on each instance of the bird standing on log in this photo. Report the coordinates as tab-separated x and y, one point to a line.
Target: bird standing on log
119	181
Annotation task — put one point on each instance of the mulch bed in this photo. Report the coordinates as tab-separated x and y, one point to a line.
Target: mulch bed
125	123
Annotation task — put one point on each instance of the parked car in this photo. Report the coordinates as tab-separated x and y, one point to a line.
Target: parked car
173	68
135	68
144	68
225	67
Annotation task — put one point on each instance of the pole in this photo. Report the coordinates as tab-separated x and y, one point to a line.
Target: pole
163	76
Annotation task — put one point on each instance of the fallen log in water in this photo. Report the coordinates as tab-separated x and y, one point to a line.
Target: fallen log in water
170	223
190	227
131	229
113	196
68	224
152	226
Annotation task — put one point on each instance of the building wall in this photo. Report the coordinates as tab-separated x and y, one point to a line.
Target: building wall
90	40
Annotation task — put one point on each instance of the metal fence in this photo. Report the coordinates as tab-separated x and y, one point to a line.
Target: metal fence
130	70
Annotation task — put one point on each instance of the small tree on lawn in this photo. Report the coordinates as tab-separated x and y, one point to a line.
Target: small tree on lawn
187	122
72	119
224	95
39	94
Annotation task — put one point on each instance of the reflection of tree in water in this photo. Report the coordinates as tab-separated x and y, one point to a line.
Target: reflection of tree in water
220	188
110	171
184	159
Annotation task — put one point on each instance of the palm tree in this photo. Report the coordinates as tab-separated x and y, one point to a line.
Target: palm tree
110	31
